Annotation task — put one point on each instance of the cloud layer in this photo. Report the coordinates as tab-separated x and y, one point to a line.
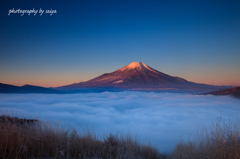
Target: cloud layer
160	118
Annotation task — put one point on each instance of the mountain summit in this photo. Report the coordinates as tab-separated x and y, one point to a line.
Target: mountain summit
139	76
136	65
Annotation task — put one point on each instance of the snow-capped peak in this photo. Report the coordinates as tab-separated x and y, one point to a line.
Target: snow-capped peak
134	65
137	65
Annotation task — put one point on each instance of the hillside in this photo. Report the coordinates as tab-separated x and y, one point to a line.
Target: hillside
231	91
6	88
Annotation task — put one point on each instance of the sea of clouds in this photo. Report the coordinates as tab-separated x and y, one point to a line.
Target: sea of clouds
159	118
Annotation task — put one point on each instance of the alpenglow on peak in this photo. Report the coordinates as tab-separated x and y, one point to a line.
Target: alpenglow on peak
137	65
138	76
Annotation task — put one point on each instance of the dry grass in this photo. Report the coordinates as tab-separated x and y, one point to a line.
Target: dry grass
28	139
19	139
222	142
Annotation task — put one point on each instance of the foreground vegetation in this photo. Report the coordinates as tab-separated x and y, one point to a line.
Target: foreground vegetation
221	142
47	140
36	139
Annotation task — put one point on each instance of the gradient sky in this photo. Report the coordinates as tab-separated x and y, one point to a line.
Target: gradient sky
196	40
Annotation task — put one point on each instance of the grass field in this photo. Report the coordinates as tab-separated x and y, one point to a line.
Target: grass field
22	138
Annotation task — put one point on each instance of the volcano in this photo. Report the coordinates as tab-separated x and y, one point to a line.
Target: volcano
139	76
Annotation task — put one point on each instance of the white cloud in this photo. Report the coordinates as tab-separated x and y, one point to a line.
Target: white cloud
158	117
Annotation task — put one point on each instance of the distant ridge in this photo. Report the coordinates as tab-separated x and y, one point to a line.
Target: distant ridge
6	88
139	76
235	91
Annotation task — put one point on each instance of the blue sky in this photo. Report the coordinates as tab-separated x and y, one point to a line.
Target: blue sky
195	40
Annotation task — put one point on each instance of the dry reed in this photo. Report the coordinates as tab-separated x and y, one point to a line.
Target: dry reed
222	142
23	139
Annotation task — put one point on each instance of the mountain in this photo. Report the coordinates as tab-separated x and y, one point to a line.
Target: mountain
139	76
6	88
235	91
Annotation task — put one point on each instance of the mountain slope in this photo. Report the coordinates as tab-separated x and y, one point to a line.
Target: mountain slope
6	88
139	76
231	91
